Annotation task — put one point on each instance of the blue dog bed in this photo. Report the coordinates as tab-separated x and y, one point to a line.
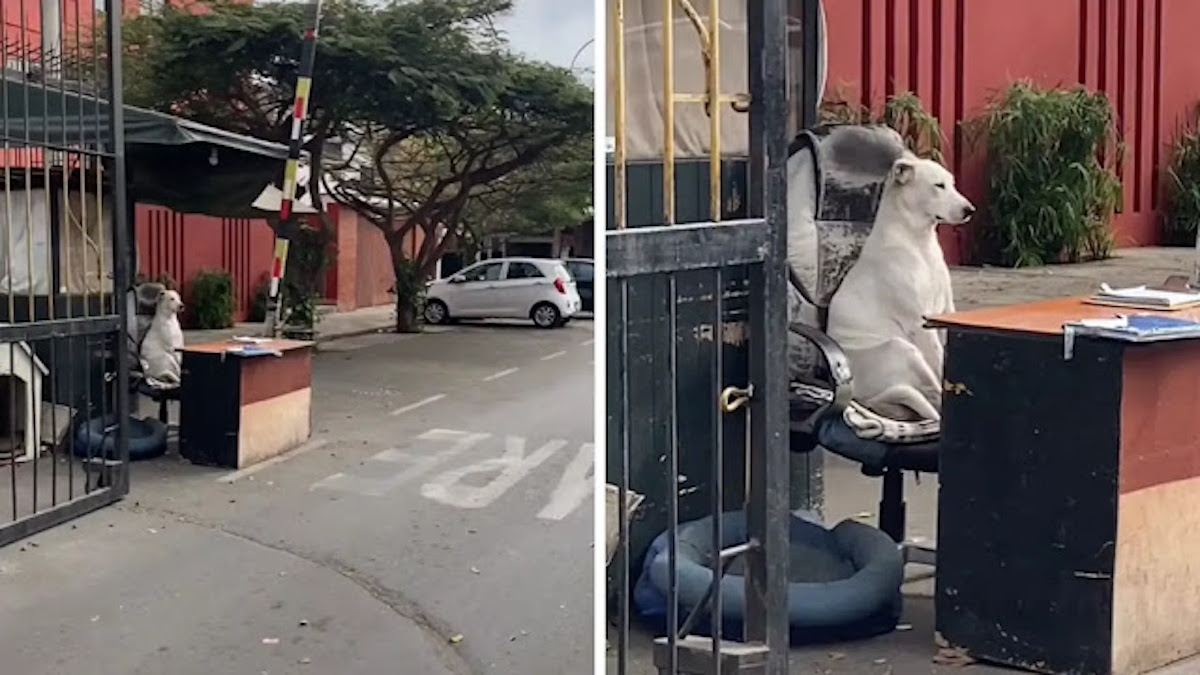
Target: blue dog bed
845	582
97	437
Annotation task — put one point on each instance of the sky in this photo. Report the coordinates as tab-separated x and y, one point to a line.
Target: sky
552	30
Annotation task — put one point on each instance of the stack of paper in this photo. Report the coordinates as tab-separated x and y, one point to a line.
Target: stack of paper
1144	298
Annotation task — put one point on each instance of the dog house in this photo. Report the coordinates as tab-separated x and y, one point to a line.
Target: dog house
21	377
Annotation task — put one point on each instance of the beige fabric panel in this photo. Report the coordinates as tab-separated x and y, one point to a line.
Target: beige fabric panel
645	96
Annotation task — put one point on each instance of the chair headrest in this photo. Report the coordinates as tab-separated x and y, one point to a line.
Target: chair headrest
146	296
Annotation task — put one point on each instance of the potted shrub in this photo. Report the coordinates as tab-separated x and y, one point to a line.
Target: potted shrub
1052	187
1181	189
212	300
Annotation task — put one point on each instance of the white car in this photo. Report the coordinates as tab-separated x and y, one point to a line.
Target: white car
505	288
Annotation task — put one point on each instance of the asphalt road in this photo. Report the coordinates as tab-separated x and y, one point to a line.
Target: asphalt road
440	521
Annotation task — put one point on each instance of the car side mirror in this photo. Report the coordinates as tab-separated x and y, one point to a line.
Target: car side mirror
457	280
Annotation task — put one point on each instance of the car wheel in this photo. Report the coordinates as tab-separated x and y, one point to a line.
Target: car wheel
436	313
545	315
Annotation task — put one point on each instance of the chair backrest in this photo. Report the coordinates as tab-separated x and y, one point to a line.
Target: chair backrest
142	301
850	165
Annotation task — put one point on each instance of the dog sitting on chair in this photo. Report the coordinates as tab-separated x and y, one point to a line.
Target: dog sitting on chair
878	313
160	348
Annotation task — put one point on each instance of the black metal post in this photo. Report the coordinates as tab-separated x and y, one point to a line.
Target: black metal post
114	10
767	509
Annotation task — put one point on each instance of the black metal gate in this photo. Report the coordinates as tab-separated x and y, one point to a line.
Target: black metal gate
63	264
696	361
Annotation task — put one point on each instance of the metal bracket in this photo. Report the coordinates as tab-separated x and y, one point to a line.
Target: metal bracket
740	103
735	398
694	656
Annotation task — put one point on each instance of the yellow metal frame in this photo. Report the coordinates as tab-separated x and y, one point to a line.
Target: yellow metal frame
710	50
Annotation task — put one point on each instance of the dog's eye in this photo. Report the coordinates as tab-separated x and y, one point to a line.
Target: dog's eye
940	186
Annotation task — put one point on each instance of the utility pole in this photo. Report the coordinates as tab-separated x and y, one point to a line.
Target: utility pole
308	55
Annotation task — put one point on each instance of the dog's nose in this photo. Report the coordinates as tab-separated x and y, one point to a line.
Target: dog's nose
968	211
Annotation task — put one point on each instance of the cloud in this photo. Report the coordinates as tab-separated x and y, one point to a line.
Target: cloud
551	30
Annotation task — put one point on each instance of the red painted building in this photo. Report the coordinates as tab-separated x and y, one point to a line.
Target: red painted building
955	53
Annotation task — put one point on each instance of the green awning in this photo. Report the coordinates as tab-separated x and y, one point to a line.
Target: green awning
172	162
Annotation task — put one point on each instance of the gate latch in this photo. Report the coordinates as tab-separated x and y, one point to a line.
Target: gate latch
734	398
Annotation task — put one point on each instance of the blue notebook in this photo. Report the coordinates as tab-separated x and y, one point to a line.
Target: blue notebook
1141	328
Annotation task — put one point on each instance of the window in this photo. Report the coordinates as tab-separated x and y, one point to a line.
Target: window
523	270
485	272
582	272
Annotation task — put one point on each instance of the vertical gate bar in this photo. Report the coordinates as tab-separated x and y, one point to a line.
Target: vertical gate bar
623	489
757	163
810	465
23	37
619	160
673	489
49	28
767	508
718	466
81	291
668	57
29	170
69	272
810	29
8	221
714	110
116	123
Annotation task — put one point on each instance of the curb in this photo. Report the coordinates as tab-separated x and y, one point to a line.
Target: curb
351	333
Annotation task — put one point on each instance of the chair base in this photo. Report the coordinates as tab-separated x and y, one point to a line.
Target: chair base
916	554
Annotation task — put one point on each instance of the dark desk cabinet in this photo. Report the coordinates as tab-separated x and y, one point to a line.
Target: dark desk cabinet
1069	508
237	410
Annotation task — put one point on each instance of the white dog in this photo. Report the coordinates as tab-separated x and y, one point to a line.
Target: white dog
160	348
878	313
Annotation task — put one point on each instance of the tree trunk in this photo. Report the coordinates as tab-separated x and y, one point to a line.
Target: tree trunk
407	296
406	316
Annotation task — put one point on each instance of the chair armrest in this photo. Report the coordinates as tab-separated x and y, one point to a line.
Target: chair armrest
840	380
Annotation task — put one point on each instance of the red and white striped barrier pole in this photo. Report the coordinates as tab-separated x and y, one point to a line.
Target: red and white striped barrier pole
308	57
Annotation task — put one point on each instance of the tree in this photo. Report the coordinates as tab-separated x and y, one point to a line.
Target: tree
427	180
233	65
555	192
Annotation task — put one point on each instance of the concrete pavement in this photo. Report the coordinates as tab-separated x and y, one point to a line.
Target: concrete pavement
440	521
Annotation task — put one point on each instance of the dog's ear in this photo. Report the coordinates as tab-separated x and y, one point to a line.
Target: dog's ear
903	171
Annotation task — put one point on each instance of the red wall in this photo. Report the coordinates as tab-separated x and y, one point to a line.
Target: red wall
954	54
183	245
362	274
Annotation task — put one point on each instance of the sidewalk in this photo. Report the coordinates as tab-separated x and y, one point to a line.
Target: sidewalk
991	286
330	326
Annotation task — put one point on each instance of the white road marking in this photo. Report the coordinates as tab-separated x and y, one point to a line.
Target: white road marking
413	406
496	376
575	486
555	355
234	476
587	342
504	472
418	465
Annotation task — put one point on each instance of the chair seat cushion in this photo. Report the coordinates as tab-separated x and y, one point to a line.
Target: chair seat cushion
836	436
